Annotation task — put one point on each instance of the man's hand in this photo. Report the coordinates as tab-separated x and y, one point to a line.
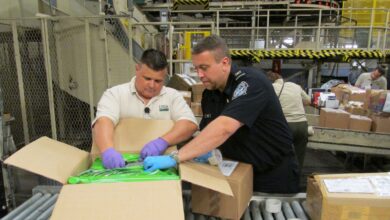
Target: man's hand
158	162
112	159
154	148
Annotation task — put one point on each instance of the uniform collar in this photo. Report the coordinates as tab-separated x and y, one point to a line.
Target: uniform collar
279	81
133	90
230	82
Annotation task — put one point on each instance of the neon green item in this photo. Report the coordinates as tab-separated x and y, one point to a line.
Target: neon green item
132	172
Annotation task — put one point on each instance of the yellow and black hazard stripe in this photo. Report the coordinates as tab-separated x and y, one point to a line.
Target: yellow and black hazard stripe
189	4
344	55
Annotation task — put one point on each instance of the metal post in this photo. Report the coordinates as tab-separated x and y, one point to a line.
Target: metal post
318	38
20	83
295	30
267	35
253	29
129	36
217	23
46	51
108	75
386	27
170	31
370	31
318	81
89	69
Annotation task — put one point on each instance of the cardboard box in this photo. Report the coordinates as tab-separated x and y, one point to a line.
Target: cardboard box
208	202
181	82
197	91
346	93
324	205
380	124
375	100
360	123
186	96
334	118
196	108
125	200
356	108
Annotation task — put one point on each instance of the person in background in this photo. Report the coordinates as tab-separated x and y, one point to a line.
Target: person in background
372	80
243	117
144	96
293	98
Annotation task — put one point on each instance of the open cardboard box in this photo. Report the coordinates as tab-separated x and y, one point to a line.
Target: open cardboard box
125	200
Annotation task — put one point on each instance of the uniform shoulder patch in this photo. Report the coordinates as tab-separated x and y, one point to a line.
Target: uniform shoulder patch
240	90
239	74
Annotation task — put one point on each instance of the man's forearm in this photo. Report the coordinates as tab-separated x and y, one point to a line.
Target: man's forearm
103	133
212	136
181	131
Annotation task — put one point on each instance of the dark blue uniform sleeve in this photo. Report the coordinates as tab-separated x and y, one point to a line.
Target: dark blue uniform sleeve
249	99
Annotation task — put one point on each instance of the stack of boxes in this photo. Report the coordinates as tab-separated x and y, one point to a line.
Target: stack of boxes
197	91
191	91
360	110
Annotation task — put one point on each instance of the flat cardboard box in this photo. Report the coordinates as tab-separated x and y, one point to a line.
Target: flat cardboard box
196	108
187	96
181	82
323	205
360	123
380	124
127	200
197	91
208	202
334	118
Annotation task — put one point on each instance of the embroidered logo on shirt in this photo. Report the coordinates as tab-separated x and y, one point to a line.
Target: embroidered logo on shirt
240	90
164	108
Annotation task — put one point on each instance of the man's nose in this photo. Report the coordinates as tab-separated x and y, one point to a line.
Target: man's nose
152	83
200	73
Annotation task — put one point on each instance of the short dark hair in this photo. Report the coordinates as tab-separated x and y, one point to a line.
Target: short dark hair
381	69
214	44
154	59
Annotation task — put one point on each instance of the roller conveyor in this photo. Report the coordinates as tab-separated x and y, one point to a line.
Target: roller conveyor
41	205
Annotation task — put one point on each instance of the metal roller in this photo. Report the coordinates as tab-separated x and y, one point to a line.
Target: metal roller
247	215
255	210
279	216
298	210
42	208
22	207
32	207
288	212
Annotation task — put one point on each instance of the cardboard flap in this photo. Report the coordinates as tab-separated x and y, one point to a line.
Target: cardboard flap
131	134
137	200
206	176
50	158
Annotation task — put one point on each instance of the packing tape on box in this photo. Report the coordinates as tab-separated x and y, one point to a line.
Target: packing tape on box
273	205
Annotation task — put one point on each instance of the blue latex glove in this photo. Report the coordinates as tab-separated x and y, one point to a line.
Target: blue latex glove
203	158
154	148
158	162
112	159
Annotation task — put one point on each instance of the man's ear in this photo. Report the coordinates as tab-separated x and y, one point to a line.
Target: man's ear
138	67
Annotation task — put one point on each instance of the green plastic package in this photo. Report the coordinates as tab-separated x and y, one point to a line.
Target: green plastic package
132	172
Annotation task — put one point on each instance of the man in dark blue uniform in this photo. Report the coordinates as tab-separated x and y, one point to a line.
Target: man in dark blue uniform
243	117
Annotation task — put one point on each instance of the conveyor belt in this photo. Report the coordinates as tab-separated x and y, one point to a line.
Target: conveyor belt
41	205
38	207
